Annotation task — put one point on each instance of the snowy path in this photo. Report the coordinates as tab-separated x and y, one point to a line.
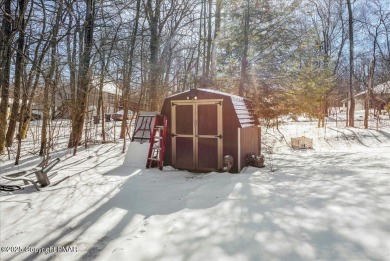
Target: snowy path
317	205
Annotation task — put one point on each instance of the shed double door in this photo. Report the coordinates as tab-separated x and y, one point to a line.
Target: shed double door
197	134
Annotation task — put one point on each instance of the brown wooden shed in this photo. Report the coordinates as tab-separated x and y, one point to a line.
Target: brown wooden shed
204	126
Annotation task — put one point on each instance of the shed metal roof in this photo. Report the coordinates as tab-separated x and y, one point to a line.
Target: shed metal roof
242	106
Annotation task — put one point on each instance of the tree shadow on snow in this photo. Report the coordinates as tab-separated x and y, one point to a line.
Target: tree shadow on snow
145	193
285	215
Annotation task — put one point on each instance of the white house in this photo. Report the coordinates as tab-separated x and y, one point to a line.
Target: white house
380	98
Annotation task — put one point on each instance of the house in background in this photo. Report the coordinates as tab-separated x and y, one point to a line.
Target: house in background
36	106
379	98
111	98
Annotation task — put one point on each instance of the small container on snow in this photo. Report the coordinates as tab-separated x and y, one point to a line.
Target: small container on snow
301	143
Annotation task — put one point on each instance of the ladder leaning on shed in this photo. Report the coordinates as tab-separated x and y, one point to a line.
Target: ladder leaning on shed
157	142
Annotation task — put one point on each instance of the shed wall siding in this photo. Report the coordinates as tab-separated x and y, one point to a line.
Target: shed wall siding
166	110
250	143
230	135
230	123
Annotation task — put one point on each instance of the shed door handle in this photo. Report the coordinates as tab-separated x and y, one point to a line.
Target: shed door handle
219	136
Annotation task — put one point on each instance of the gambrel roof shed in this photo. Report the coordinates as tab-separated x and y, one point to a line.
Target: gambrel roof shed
205	125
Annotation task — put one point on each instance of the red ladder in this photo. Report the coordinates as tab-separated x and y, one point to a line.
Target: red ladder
157	142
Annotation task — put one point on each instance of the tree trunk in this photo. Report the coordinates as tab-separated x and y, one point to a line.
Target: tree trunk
19	65
71	55
244	59
84	79
30	87
45	118
218	8
199	45
370	87
351	66
126	94
100	96
5	68
347	113
100	108
209	41
129	72
49	82
204	40
154	14
371	73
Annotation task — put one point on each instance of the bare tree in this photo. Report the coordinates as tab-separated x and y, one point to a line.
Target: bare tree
19	67
153	14
49	80
164	18
330	38
5	67
84	78
129	71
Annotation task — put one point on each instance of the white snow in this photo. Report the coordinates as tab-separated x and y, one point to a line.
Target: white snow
329	203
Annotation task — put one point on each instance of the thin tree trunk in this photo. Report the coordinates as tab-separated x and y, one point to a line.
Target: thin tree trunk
370	86
100	108
54	91
204	5
45	118
103	122
129	72
33	80
244	59
347	113
49	83
218	8
351	66
71	54
369	91
136	112
209	41
199	44
29	89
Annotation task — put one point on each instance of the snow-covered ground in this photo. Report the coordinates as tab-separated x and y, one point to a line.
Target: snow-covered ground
329	203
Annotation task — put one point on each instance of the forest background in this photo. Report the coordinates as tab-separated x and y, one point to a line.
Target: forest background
289	57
